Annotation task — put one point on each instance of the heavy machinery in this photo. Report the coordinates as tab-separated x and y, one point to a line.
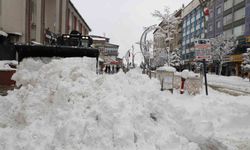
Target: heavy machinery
66	45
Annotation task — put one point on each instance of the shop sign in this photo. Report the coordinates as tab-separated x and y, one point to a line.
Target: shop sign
236	58
233	58
248	39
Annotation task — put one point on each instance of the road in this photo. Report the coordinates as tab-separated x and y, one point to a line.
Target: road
230	91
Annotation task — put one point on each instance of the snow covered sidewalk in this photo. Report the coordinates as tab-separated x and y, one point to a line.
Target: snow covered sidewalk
64	105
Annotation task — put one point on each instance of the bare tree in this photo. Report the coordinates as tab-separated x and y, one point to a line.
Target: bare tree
221	47
166	29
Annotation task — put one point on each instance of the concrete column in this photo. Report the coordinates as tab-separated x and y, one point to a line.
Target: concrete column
64	15
39	34
1	15
58	16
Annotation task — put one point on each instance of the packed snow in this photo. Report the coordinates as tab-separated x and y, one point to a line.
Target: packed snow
64	105
230	82
5	64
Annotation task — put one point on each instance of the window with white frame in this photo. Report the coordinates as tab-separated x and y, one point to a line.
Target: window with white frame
239	14
228	19
228	4
239	30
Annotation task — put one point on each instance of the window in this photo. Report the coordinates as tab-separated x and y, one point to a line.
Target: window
218	24
75	23
68	21
239	30
228	33
211	14
228	19
210	28
237	2
218	10
239	14
228	4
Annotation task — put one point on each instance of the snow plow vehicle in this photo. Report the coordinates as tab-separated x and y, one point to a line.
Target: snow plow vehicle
66	45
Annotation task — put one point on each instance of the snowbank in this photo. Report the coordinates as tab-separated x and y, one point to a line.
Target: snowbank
64	105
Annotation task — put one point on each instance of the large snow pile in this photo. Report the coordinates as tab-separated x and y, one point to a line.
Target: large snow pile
64	105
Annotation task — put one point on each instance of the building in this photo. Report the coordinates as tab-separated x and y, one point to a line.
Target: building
234	13
215	19
31	20
176	43
159	45
236	25
108	53
193	28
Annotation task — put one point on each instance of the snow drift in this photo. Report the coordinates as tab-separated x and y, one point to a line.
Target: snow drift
64	105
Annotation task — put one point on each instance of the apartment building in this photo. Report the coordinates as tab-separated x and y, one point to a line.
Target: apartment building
108	52
192	28
215	18
159	45
31	20
177	37
234	22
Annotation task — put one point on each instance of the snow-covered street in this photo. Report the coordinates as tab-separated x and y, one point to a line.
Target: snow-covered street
64	105
232	85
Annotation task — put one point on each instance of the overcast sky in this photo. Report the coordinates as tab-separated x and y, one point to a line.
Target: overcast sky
123	20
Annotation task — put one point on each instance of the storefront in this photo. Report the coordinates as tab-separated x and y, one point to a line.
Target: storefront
233	66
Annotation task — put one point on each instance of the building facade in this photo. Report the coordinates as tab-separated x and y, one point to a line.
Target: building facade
193	27
32	19
108	52
176	43
215	19
234	18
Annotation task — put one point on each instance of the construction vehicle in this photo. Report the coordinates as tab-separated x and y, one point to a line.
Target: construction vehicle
66	45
